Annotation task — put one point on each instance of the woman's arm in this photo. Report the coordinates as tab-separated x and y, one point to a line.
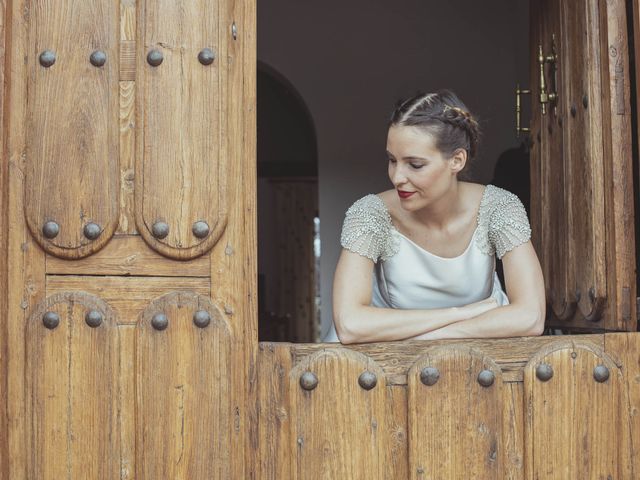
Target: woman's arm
358	322
524	316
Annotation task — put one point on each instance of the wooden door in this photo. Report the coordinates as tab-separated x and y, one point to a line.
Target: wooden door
128	234
581	163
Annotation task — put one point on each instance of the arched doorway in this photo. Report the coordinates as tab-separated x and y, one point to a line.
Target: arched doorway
288	222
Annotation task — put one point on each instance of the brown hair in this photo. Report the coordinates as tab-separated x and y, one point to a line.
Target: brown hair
443	115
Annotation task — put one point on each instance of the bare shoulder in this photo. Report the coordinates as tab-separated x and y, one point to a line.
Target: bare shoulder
387	196
472	194
390	200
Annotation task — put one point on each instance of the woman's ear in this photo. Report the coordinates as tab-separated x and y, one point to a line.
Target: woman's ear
458	160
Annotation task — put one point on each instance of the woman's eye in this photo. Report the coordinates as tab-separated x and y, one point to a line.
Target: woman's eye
391	160
417	166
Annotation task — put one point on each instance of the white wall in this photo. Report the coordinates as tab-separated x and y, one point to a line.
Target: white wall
352	60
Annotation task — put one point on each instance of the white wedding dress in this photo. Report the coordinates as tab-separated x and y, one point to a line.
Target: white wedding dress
407	276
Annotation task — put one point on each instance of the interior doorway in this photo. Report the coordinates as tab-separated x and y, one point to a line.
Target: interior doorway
350	68
288	220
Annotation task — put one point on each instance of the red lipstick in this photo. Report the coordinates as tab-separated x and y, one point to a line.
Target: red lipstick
404	194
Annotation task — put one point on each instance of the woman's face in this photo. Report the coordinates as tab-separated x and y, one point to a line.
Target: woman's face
417	169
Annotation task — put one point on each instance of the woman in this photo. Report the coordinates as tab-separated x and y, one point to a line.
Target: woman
419	261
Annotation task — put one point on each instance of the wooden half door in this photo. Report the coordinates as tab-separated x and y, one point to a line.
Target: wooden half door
582	205
128	238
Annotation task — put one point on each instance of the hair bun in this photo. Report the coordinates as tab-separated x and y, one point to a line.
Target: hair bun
445	116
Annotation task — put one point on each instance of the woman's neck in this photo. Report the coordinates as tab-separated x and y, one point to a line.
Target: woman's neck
439	214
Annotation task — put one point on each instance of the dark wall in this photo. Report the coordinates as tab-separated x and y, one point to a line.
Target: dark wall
352	60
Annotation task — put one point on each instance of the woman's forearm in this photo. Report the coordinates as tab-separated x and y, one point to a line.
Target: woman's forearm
506	321
376	324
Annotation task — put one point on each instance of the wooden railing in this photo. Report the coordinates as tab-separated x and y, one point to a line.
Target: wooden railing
318	418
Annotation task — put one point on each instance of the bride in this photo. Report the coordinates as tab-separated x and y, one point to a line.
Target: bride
418	261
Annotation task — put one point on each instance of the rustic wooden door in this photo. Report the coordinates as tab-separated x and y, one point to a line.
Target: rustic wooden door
128	239
581	163
127	231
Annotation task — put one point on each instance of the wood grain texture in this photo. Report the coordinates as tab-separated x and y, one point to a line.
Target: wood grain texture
181	176
241	148
624	349
25	257
618	168
127	223
398	442
274	419
128	296
328	421
513	430
587	234
557	166
234	269
72	383
129	255
128	60
576	205
180	435
5	42
395	358
634	53
234	258
276	423
582	205
72	121
127	401
455	425
573	422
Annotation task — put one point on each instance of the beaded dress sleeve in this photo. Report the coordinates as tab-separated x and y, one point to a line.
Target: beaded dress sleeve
367	229
504	219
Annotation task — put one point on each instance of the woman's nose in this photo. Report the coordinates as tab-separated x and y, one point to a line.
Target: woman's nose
398	177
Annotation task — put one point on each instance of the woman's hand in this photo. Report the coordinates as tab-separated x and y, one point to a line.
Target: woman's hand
468	311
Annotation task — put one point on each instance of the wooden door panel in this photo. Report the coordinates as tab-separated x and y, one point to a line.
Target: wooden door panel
572	417
618	168
184	409
73	132
455	424
339	428
586	157
278	424
127	401
127	221
181	175
571	426
624	348
274	419
129	255
71	387
128	296
555	175
581	166
72	172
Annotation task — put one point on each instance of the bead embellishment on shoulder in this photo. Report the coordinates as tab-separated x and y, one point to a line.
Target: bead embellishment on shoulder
502	222
367	229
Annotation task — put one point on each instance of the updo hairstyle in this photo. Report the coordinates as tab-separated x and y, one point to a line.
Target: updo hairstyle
445	117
